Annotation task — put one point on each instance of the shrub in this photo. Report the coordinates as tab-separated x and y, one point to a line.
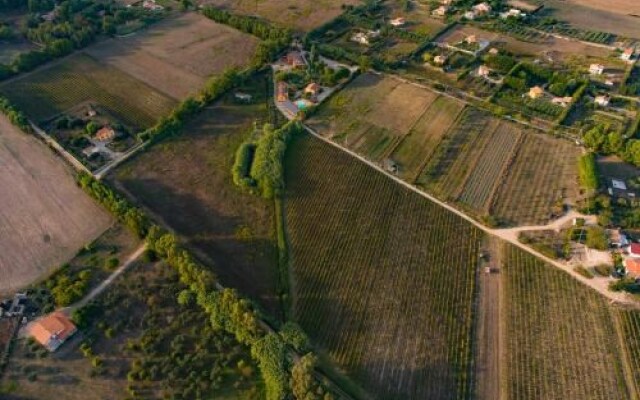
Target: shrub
583	271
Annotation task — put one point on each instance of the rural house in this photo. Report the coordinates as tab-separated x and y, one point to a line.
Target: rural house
617	238
562	101
632	265
469	15
493	51
471	39
515	13
295	60
627	54
634	250
602	100
282	92
53	330
398	21
596	69
151	5
483	71
440	60
105	134
481	9
440	11
536	92
361	38
313	89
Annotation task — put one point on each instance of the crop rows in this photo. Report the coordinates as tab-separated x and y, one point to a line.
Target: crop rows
457	153
560	335
543	176
383	279
629	321
485	176
48	92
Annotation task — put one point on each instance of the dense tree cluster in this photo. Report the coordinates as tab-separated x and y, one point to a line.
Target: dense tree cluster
15	116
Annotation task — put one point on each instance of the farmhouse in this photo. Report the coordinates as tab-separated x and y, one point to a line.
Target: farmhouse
313	89
602	100
282	92
105	134
481	9
617	238
469	15
632	266
446	2
562	101
483	70
295	59
494	51
440	11
634	250
440	60
471	39
151	5
627	54
596	69
53	330
514	13
398	21
361	38
536	92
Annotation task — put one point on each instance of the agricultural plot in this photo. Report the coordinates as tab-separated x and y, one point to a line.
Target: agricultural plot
561	341
80	78
629	325
388	298
177	55
186	182
303	15
421	142
445	173
490	167
543	176
45	217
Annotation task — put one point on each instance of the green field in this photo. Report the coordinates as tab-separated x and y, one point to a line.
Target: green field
383	280
52	90
560	335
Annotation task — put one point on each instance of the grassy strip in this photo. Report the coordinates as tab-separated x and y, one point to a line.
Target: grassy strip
588	172
284	285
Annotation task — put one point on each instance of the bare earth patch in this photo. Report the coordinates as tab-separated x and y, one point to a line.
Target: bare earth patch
177	55
44	217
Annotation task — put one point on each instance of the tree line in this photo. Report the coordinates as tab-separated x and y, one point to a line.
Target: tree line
226	309
16	116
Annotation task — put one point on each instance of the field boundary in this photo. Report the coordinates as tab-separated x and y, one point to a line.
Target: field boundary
632	386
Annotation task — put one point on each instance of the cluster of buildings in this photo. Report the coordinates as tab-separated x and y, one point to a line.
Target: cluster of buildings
479	10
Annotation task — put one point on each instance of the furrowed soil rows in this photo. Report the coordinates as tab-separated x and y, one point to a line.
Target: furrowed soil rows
560	335
80	78
384	280
544	174
487	170
629	322
424	137
44	217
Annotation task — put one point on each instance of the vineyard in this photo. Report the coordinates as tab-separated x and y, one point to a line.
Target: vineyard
543	176
560	336
425	136
629	322
488	170
384	280
80	78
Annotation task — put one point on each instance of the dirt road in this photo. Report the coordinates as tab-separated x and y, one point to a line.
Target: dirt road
488	328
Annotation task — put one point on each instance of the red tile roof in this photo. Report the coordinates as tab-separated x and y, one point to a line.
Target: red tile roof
51	331
634	249
633	266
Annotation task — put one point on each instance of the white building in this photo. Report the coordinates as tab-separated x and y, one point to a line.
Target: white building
596	69
398	21
602	100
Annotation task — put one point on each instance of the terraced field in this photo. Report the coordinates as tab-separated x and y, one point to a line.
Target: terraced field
50	91
384	280
543	176
561	341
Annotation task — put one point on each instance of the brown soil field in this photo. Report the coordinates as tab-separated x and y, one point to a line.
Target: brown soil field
303	15
177	55
401	108
186	183
561	46
604	15
44	217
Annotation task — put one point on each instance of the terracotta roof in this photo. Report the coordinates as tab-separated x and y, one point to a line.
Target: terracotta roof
633	266
51	331
312	87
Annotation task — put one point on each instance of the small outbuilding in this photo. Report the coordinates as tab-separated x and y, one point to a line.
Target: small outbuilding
596	69
398	21
536	92
602	100
105	134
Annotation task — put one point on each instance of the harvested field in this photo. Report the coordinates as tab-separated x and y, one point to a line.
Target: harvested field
543	176
621	17
421	142
561	341
490	167
400	109
52	90
181	52
186	182
384	280
44	217
302	15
